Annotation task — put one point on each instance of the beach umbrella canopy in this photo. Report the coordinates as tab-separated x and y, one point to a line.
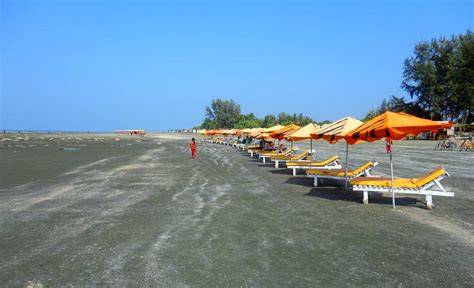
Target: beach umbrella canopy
255	133
337	130
263	136
235	132
272	129
303	133
209	132
393	126
249	130
281	133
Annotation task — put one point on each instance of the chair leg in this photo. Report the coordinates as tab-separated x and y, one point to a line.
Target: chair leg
366	198
294	171
429	202
264	159
276	164
315	183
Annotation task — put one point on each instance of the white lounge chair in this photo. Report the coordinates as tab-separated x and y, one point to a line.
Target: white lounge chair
328	164
340	174
292	157
414	186
269	154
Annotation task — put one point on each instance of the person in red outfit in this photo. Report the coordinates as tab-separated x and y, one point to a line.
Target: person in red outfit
193	149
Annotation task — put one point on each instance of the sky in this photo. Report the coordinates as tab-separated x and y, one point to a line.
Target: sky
155	65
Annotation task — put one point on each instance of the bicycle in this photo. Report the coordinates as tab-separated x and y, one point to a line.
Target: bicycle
466	145
446	145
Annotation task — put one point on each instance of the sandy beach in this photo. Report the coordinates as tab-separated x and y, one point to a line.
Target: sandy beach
88	209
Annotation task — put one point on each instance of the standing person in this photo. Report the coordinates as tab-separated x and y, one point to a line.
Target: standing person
193	149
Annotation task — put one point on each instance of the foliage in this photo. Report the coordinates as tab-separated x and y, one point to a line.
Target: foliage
248	121
269	121
396	104
221	114
226	114
298	119
323	122
440	77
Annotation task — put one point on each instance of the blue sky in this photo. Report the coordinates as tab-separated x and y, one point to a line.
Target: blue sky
105	65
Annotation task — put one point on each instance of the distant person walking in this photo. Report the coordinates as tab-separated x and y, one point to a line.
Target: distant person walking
193	149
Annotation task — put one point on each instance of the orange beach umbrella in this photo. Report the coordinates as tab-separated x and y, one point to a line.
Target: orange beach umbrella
281	133
337	130
263	136
272	129
304	133
393	126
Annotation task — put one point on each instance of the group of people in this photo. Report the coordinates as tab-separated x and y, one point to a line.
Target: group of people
263	144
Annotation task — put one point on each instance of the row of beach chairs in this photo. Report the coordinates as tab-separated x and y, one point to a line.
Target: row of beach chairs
360	179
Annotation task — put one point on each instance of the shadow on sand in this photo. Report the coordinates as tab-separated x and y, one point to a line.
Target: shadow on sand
341	194
284	171
300	180
333	190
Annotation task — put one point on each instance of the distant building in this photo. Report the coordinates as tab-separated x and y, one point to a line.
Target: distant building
133	132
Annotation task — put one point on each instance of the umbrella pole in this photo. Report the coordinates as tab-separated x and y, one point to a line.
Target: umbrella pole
391	175
311	145
291	144
347	160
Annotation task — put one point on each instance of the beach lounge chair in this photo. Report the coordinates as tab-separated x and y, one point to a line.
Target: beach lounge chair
340	174
258	151
291	157
415	186
249	146
253	151
330	163
269	154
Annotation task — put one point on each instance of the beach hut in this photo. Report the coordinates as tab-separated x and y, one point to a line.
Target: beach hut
392	126
337	130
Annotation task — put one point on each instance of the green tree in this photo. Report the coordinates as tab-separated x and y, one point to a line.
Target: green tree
371	114
419	77
285	119
221	114
302	120
209	124
464	93
269	121
440	77
396	104
321	123
248	121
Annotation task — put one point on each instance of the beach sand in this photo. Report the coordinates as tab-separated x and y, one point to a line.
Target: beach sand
138	211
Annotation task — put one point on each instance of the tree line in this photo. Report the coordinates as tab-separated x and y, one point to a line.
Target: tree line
226	114
439	78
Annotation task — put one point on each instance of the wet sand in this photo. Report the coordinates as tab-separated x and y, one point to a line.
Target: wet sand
139	212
